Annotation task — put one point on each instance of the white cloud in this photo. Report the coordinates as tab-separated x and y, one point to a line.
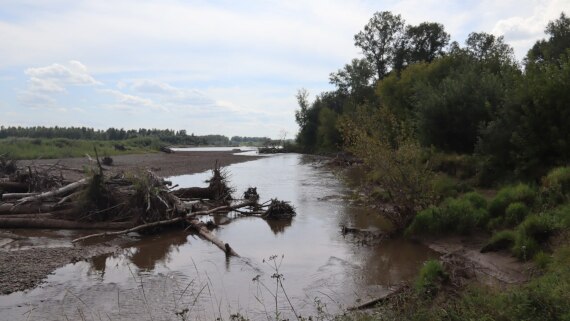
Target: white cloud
54	78
130	102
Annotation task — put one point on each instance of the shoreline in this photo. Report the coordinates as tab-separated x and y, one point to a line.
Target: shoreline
24	269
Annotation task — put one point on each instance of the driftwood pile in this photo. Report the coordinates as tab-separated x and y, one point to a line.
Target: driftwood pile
141	202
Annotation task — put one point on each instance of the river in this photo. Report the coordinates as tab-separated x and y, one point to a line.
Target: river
177	276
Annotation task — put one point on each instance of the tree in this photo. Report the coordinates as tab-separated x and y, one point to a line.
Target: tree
488	48
380	40
550	50
354	79
426	41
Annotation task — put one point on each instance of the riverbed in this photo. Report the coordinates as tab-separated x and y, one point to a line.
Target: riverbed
176	275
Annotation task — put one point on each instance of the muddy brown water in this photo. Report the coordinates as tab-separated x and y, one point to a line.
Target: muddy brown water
177	276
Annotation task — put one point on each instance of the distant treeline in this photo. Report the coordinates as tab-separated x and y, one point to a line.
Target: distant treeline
176	137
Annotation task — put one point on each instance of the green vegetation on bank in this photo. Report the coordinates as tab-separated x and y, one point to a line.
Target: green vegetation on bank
32	148
433	122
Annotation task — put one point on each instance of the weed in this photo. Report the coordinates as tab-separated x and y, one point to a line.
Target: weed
430	278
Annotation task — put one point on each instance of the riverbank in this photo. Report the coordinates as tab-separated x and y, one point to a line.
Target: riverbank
24	268
162	164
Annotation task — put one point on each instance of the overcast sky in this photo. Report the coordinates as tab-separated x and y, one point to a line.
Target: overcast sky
225	67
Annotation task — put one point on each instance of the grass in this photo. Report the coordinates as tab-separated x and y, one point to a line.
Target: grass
430	278
27	148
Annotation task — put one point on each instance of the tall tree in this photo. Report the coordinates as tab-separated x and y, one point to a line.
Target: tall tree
426	41
380	40
551	49
354	79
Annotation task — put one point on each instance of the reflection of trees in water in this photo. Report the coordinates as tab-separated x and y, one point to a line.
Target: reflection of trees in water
154	249
279	226
98	263
394	261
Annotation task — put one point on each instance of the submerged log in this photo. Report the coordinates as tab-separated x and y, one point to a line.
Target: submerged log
203	231
381	299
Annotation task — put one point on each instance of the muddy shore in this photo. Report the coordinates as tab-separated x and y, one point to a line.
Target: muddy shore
163	164
22	269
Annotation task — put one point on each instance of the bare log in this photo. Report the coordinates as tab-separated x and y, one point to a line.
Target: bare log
8	208
29	216
59	224
58	192
201	228
381	299
13	187
16	196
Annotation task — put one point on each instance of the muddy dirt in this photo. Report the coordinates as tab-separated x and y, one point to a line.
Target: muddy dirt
490	268
24	269
164	165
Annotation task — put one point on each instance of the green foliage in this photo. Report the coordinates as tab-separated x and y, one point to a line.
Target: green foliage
444	186
462	166
476	199
542	260
555	187
430	278
502	240
510	194
461	215
388	147
515	213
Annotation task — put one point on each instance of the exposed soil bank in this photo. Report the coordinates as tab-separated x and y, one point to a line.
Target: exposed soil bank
163	164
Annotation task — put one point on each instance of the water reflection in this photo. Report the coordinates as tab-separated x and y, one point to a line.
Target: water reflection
156	249
279	226
319	261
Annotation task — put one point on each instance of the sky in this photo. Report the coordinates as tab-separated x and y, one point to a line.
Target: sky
209	67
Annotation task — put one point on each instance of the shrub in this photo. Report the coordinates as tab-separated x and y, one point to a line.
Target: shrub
558	178
516	213
452	216
430	278
476	199
510	194
542	260
555	187
444	186
500	241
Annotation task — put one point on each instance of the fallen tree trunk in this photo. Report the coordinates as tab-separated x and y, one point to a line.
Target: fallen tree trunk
194	192
9	209
29	216
16	196
164	222
58	192
203	231
59	224
13	187
381	299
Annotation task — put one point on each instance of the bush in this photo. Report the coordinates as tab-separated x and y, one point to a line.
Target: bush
502	240
555	187
510	194
516	213
476	199
430	278
452	216
542	260
443	186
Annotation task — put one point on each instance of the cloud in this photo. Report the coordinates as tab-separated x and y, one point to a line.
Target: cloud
56	77
128	102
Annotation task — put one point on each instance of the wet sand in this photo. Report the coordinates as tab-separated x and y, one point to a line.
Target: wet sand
26	268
